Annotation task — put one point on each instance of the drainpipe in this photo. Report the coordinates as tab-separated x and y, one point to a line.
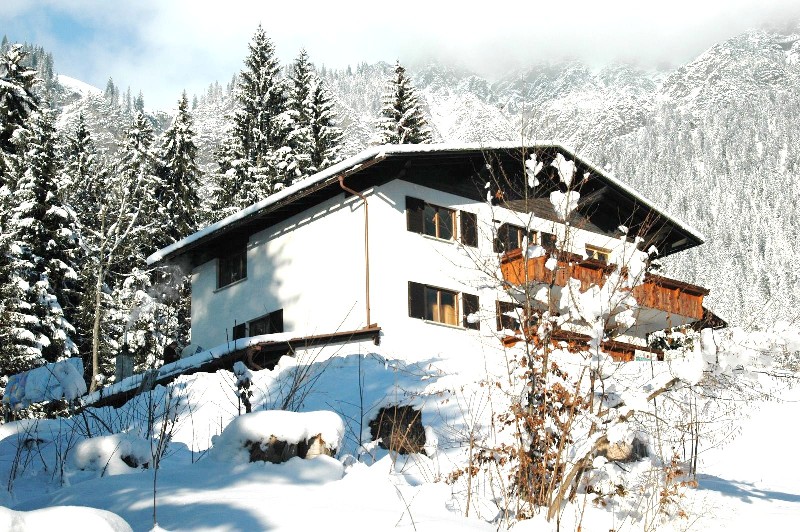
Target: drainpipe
366	240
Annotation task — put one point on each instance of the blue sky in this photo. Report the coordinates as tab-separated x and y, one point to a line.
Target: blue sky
163	47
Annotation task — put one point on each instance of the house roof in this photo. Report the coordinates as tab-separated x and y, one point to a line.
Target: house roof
380	164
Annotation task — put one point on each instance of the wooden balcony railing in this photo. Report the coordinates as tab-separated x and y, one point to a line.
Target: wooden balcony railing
656	292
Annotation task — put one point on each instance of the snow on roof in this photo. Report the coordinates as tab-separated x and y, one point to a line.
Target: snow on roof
379	152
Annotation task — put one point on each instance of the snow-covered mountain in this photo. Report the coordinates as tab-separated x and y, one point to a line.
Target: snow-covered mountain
715	142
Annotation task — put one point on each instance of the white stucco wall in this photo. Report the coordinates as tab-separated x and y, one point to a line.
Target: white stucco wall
312	266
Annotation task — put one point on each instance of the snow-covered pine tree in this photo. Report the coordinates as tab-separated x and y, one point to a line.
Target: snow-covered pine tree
82	181
402	121
136	167
17	348
301	74
315	138
179	176
256	160
17	102
326	136
44	245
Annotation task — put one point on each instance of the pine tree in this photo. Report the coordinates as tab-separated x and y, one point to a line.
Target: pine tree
326	136
44	246
402	121
18	352
314	138
301	76
137	169
256	160
17	102
179	176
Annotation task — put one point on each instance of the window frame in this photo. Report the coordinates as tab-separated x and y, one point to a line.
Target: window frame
273	321
597	253
503	320
464	304
437	313
503	243
232	267
429	219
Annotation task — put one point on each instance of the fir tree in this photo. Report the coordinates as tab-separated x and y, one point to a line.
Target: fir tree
18	351
256	160
314	138
17	102
179	176
44	246
326	136
137	169
402	121
301	76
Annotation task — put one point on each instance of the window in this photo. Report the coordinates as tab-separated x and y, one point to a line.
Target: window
596	253
269	324
508	316
442	306
511	237
232	268
549	241
440	222
512	315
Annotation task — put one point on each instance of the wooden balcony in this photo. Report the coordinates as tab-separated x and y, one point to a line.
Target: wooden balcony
656	292
575	342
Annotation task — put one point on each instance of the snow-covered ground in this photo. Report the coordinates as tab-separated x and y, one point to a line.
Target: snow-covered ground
49	467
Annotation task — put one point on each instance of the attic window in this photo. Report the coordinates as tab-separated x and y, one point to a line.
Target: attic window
232	267
596	253
440	222
442	306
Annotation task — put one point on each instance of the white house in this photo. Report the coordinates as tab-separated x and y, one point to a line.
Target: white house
419	241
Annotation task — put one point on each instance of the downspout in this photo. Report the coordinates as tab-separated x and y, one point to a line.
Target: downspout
366	241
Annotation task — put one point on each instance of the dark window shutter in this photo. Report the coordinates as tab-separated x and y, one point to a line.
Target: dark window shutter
469	229
549	241
501	239
239	331
471	306
414	214
416	300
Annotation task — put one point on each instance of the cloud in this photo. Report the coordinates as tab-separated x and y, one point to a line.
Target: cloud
165	47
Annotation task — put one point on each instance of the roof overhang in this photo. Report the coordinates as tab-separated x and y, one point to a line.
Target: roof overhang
380	164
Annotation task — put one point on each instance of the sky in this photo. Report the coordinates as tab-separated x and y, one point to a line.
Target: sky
165	47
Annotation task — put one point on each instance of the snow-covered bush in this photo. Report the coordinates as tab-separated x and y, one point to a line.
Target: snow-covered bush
276	435
115	454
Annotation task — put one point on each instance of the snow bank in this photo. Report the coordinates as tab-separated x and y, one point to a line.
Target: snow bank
291	427
64	519
59	380
111	455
